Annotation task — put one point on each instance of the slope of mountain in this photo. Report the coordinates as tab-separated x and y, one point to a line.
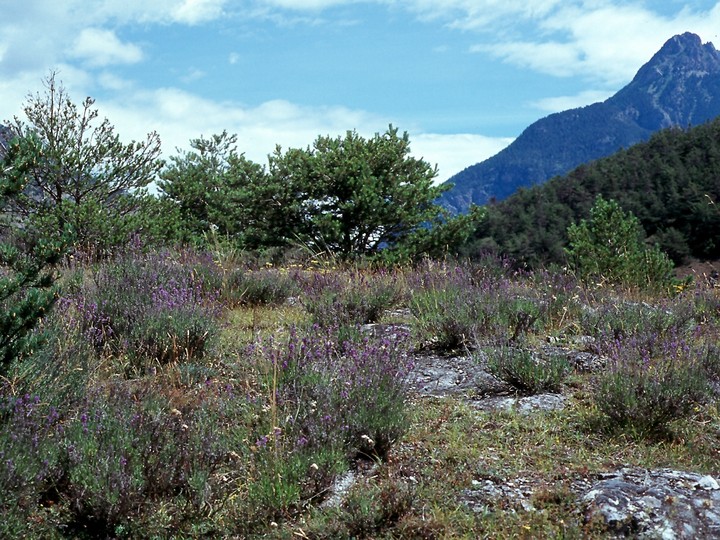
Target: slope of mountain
671	183
679	86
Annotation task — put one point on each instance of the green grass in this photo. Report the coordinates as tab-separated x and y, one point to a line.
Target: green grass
245	409
451	445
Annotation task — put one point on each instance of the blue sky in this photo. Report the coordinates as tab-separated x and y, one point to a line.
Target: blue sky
463	77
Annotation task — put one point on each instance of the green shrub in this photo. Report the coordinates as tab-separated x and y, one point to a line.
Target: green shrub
608	248
27	275
148	309
350	300
463	313
526	371
651	382
262	287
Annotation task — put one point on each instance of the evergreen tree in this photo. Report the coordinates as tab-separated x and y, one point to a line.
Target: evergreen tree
609	248
26	277
85	176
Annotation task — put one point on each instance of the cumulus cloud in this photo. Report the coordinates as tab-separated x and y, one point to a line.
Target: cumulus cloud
197	11
99	47
605	41
179	116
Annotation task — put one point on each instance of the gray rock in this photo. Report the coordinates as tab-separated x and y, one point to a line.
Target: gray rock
656	504
523	405
440	376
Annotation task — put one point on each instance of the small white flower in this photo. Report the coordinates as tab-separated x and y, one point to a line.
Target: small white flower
368	440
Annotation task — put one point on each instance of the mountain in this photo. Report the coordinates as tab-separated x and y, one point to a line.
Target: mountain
679	86
671	183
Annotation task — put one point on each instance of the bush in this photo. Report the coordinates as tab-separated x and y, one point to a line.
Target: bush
651	382
349	300
349	395
608	248
617	320
27	275
62	366
460	308
148	308
527	372
262	287
123	463
30	459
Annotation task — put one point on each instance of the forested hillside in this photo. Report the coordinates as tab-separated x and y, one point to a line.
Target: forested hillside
671	183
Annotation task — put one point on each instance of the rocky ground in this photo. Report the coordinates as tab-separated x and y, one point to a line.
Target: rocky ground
628	502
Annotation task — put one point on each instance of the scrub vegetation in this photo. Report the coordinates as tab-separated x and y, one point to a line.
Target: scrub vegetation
200	375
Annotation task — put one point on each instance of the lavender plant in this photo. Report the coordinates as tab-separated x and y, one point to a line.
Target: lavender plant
345	394
458	308
614	319
29	454
650	381
264	286
529	373
351	299
149	308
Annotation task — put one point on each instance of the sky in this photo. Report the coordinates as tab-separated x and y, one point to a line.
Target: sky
462	77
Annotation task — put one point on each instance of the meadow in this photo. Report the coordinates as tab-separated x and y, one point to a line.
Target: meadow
189	394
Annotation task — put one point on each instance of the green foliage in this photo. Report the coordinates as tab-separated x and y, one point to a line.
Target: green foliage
26	276
261	287
84	177
609	248
527	372
150	309
347	197
214	189
356	195
352	299
644	393
455	308
668	183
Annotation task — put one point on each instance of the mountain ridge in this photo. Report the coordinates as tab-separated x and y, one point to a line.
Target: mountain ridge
679	86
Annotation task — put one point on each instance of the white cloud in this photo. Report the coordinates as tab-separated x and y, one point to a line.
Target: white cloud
179	116
193	74
606	41
304	5
563	103
559	59
197	11
602	40
100	48
480	14
454	152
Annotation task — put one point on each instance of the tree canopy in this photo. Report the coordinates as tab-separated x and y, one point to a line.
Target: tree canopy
670	183
84	175
348	196
26	276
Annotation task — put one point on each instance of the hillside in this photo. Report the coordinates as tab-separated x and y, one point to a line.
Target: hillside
679	86
671	183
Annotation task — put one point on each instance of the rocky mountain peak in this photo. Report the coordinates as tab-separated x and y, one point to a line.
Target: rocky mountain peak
678	87
681	56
